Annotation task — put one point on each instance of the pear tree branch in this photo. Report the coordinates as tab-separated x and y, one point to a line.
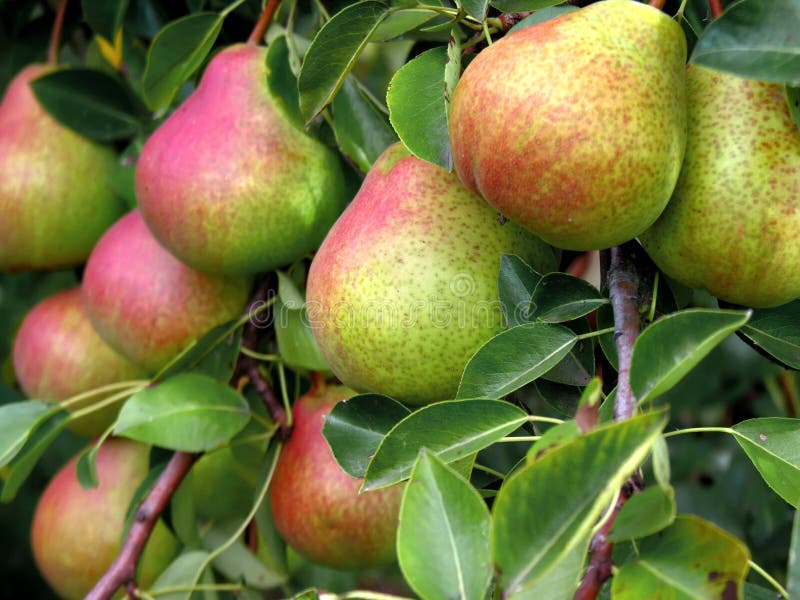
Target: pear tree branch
122	572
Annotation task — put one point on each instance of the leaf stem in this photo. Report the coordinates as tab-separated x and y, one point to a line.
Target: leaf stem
55	34
257	35
488	470
103	403
772	581
700	430
537	418
521	438
599	332
715	6
202	587
134	384
260	355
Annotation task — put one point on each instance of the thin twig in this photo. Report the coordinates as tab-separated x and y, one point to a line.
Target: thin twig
715	6
122	572
257	35
55	35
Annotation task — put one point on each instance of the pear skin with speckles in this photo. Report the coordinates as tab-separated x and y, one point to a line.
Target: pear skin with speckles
732	227
575	128
403	290
228	183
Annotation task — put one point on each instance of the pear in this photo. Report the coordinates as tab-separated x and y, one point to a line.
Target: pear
148	305
228	183
56	195
77	534
576	127
403	290
58	354
732	227
317	507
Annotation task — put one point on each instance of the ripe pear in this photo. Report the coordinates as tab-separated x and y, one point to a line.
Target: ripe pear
148	305
56	197
403	290
228	183
58	354
317	507
733	224
575	128
77	534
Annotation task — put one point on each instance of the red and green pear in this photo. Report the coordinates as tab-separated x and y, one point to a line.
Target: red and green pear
732	227
228	183
148	305
77	533
57	354
56	194
575	128
317	507
403	290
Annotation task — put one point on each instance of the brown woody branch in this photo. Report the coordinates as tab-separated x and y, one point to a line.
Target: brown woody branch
122	572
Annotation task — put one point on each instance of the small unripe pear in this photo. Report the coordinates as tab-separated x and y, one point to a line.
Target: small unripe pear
58	354
317	507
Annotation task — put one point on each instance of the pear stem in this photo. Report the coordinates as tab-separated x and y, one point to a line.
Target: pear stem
123	570
715	6
55	35
257	35
659	4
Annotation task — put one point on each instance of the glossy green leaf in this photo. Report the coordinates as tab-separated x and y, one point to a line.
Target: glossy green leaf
793	568
777	332
672	346
237	562
540	16
522	5
93	103
559	297
288	292
175	54
443	536
418	107
355	428
556	436
296	342
452	430
793	100
45	431
564	398
104	16
281	80
181	572
188	412
561	581
476	8
662	469
644	514
551	505
756	592
577	367
515	284
333	54
513	358
362	129
402	21
17	422
773	446
754	39
86	467
605	319
214	354
183	516
691	559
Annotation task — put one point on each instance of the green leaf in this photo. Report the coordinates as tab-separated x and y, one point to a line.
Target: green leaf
451	430
104	16
355	428
561	581
577	367
661	464
17	422
605	319
559	297
793	568
476	8
522	5
281	80
333	54
362	130
418	107
91	102
296	342
793	100
515	284
288	292
183	516
556	436
514	358
773	446
672	346
214	354
644	514
551	505
47	428
540	16
443	536
691	559
237	562
175	54
188	412
180	573
86	468
777	332
402	21
754	39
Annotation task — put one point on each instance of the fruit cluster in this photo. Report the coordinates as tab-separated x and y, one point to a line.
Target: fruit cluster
585	132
